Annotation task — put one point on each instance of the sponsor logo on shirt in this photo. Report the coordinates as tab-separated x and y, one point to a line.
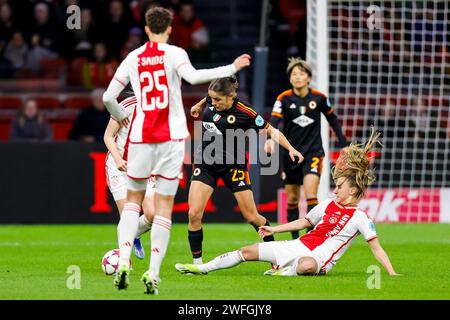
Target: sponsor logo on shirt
303	121
211	127
338	226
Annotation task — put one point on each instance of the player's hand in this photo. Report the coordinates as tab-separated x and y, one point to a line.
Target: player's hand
269	146
121	165
242	61
264	231
294	154
195	111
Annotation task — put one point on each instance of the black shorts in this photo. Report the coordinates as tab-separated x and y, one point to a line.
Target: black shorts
293	172
235	178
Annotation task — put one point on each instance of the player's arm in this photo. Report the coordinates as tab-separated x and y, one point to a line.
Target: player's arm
118	83
296	225
279	138
275	119
382	256
109	139
197	108
194	76
332	119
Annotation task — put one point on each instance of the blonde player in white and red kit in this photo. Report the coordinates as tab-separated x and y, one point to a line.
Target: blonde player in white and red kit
116	140
158	129
336	224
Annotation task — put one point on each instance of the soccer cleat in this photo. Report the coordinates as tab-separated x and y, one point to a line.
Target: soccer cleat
121	278
151	283
138	249
189	269
278	272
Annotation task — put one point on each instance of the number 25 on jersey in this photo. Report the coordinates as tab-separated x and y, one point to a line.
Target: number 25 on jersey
154	92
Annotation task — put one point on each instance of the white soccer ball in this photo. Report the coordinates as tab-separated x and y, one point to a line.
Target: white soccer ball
110	262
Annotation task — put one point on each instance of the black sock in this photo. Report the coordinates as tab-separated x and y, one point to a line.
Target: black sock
311	204
266	238
195	242
292	215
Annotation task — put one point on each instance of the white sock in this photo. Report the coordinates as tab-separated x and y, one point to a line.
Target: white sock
160	236
198	261
227	260
127	228
143	226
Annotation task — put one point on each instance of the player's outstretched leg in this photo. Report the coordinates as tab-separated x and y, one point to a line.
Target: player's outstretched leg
151	283
138	249
121	278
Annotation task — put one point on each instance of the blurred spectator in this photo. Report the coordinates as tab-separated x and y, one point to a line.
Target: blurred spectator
99	70
116	27
134	41
30	124
79	42
16	51
91	122
46	27
7	24
190	33
37	53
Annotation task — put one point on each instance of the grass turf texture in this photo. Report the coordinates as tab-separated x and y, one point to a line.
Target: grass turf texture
34	261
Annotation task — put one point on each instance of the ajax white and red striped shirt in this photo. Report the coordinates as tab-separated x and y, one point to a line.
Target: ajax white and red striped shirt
335	227
129	104
155	71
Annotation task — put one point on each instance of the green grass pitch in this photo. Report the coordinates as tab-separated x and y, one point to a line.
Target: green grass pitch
34	262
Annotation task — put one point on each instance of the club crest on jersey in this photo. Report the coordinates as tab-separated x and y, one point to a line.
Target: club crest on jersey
231	119
312	105
332	220
216	117
211	127
303	121
259	121
197	171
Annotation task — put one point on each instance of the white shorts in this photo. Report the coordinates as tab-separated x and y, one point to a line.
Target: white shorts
163	160
117	181
286	253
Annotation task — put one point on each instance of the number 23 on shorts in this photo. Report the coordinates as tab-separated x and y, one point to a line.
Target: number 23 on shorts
238	175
